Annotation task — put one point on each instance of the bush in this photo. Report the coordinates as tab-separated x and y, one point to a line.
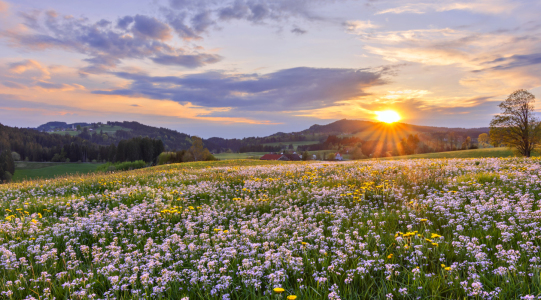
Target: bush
7	176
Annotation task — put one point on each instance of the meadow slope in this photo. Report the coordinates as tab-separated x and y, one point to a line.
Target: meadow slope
400	229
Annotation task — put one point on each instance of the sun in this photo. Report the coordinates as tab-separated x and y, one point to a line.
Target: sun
387	116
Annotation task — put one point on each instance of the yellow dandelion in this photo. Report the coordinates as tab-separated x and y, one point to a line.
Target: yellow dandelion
390	256
278	290
291	297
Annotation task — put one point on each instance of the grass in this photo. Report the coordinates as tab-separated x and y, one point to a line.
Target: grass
38	170
473	153
238	229
247	155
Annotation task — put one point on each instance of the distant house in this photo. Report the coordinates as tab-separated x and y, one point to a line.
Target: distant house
337	156
280	157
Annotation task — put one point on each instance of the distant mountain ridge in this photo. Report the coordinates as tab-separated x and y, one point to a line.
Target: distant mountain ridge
173	140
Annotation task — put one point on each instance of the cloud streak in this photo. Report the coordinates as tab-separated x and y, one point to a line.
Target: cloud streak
139	37
289	89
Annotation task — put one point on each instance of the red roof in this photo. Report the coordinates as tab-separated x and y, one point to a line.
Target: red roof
271	157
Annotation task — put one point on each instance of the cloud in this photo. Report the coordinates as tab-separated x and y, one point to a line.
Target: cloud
478	6
190	19
284	90
30	68
298	31
188	61
4	6
151	28
13	85
138	37
515	61
359	27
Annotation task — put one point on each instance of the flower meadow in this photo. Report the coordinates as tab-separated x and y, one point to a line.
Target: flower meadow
405	229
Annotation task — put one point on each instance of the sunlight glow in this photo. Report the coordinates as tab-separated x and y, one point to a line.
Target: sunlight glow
387	116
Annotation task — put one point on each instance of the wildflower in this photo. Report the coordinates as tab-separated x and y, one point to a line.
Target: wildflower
291	297
390	256
448	269
34	221
423	220
442	265
278	290
406	246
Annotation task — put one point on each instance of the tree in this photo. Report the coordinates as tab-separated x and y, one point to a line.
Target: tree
197	149
466	144
7	166
483	140
357	152
78	127
517	126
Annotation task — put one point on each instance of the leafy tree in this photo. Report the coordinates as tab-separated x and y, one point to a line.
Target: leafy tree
15	156
517	126
483	140
197	149
78	127
467	143
7	166
357	152
305	155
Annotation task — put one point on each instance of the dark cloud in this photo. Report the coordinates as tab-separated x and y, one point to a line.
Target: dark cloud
202	21
13	85
298	31
151	28
190	18
188	61
515	61
137	37
124	22
50	86
285	90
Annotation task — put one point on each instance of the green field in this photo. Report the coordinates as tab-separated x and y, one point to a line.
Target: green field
38	170
247	155
474	153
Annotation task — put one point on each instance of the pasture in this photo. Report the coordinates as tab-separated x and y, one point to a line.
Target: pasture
37	170
247	229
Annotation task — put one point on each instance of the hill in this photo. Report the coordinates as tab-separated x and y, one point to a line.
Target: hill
378	139
113	132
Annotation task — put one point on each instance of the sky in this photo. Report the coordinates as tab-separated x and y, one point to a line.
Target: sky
244	68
